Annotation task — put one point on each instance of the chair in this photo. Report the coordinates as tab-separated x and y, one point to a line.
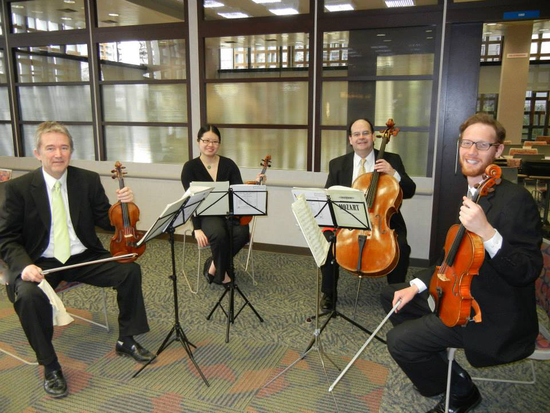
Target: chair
65	287
249	262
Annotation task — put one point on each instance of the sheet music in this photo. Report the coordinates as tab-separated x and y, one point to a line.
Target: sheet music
318	202
200	193
315	239
350	207
249	199
217	203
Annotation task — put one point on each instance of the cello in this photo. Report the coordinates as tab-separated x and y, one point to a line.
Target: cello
464	255
373	252
124	216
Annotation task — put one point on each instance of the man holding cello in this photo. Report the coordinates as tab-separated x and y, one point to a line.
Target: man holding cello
508	223
48	220
344	170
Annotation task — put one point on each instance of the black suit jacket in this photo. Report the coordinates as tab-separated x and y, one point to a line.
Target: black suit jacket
25	216
341	173
505	286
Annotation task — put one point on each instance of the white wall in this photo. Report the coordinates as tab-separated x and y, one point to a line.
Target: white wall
156	185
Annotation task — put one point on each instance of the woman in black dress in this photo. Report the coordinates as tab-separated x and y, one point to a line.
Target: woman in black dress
213	230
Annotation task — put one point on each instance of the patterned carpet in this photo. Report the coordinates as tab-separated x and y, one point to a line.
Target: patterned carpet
100	381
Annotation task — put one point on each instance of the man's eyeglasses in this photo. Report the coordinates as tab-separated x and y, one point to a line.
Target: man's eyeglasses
480	145
209	142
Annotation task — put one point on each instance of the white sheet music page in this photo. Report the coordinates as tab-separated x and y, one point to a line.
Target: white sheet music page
249	199
317	200
315	239
217	203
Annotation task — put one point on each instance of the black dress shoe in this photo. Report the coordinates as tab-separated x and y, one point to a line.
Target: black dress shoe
136	351
209	277
55	384
459	404
327	302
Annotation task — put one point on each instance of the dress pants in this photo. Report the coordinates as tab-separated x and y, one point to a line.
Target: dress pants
35	312
217	231
418	343
330	274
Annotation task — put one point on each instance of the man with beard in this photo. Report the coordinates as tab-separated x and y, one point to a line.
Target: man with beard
509	224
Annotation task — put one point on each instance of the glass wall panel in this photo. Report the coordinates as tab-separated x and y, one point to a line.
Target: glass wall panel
62	103
145	103
46	16
238	9
6	140
83	138
379	52
264	55
147	144
4	104
56	63
275	103
407	102
333	144
143	60
130	12
334	6
3	77
247	147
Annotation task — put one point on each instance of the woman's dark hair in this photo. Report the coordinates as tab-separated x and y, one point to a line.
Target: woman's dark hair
366	120
209	128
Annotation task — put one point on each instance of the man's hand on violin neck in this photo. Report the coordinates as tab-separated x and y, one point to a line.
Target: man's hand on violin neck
474	220
125	194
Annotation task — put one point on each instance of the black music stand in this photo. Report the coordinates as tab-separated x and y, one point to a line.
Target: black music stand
174	215
239	204
342	217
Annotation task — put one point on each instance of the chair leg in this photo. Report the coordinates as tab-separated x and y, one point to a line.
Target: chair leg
531	381
357	297
30	363
450	356
196	290
105	326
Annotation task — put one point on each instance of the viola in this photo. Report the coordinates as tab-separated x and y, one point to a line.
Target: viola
124	216
266	163
373	252
464	255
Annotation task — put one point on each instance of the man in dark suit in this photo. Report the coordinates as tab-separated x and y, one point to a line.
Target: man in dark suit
508	222
48	220
343	171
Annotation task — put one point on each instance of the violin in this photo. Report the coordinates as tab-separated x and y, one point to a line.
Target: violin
464	255
124	216
266	163
373	252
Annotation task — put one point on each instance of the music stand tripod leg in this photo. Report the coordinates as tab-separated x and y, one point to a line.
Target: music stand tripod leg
177	329
315	345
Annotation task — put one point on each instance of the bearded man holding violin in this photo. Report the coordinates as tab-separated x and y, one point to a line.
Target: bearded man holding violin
346	169
48	220
509	225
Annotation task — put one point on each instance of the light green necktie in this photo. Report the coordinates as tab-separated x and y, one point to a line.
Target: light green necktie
61	244
362	167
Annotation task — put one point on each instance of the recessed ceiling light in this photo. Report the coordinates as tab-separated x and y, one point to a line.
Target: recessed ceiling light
387	40
399	3
266	1
491	24
69	1
429	37
36	11
66	18
429	30
211	4
381	35
113	14
17	6
233	15
339	7
488	33
284	12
